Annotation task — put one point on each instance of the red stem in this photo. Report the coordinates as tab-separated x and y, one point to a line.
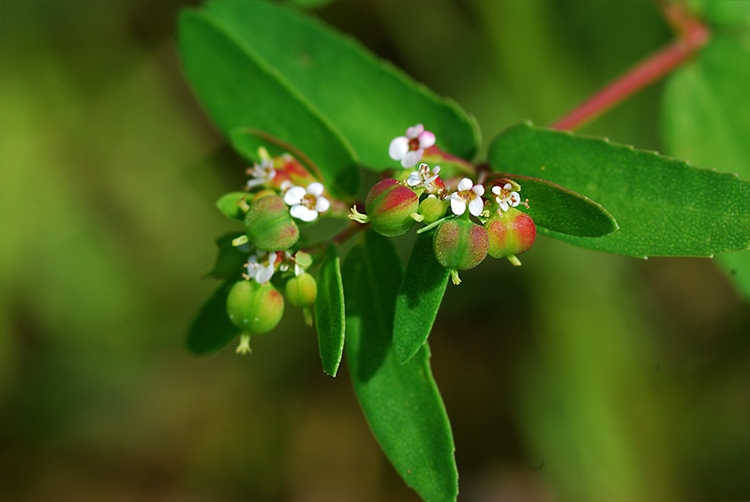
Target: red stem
693	35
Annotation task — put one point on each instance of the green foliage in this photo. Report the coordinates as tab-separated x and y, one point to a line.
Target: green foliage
212	330
664	207
229	205
311	87
329	312
419	298
231	258
561	210
401	402
705	119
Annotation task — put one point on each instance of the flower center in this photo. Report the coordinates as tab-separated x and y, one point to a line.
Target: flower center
309	201
413	144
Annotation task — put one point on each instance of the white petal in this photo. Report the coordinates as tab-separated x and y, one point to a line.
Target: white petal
503	204
476	206
264	275
465	184
515	199
414	179
458	206
398	148
507	186
496	189
412	158
414	131
303	213
271	258
435	169
294	195
315	188
478	189
322	205
426	139
254	182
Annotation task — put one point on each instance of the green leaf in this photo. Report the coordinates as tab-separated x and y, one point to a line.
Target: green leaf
240	89
329	312
664	207
418	298
368	101
231	259
211	330
229	204
556	208
705	119
723	12
401	402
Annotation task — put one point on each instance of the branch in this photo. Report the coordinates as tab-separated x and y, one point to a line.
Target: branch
692	36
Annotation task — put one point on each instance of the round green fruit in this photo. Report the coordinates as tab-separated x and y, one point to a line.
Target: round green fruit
460	244
301	291
389	206
510	233
253	307
269	226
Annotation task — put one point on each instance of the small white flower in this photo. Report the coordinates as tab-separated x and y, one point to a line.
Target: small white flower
426	178
410	148
261	267
506	197
261	173
306	203
467	194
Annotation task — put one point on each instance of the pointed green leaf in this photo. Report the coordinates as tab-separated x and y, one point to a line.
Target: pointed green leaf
401	402
556	208
211	330
705	119
240	89
664	207
229	205
367	100
329	312
418	298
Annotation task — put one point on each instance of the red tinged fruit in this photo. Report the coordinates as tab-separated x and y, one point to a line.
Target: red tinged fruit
253	307
269	226
510	233
389	206
460	244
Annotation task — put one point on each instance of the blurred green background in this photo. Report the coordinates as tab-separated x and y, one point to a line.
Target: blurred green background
579	376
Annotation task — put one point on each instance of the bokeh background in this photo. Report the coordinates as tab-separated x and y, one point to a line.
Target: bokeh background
580	376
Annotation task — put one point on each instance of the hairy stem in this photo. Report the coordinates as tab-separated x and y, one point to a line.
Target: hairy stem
692	35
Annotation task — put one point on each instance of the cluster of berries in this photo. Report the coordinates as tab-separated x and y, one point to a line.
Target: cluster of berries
393	206
283	195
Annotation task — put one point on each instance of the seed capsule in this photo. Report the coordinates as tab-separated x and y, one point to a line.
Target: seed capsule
510	233
301	291
253	307
390	206
460	244
269	226
432	208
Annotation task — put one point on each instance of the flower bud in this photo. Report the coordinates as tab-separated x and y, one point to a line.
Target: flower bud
460	244
510	233
389	206
253	307
269	226
302	290
432	208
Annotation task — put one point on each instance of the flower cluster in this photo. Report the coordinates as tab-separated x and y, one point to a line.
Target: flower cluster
393	206
281	194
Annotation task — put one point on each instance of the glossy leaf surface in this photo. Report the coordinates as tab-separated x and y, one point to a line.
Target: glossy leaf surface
556	208
705	119
401	402
368	101
418	298
664	207
240	89
329	312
